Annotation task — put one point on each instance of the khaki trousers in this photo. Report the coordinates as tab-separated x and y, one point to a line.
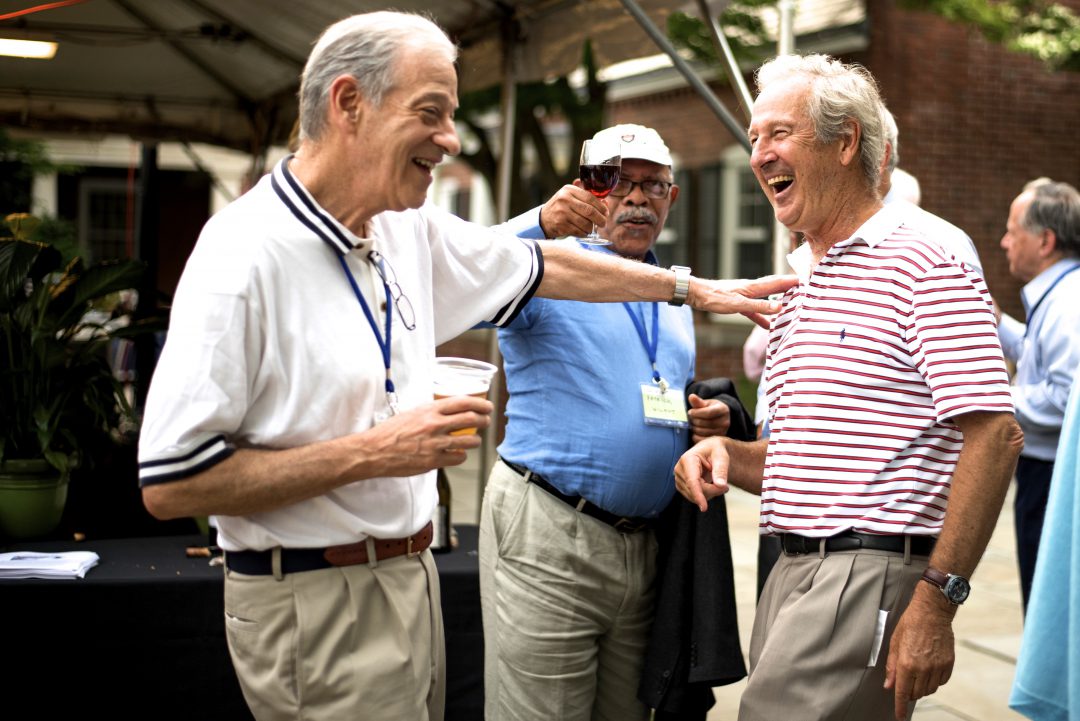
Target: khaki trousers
567	603
819	624
350	642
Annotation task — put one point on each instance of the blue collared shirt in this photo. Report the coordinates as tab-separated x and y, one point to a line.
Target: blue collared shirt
574	372
1047	355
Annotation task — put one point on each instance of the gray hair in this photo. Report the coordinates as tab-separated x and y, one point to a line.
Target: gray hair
839	92
365	46
892	137
1055	206
1032	184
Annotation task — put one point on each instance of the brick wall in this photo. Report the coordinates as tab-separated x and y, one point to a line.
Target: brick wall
695	135
976	123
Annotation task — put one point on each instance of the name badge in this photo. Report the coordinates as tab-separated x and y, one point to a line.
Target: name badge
664	406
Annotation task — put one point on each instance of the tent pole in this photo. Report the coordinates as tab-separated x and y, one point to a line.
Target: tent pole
148	218
737	131
721	41
502	209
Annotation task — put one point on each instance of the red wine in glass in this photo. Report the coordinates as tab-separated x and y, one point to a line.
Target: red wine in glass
599	173
599	179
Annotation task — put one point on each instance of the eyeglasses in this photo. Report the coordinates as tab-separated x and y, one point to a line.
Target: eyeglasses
389	278
651	188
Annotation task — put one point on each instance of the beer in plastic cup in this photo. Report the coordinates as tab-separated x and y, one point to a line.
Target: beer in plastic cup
462	377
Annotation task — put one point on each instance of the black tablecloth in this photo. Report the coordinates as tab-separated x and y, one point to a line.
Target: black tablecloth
143	635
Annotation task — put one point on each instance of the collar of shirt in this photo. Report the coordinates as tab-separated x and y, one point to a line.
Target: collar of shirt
876	229
1037	286
881	224
308	211
801	261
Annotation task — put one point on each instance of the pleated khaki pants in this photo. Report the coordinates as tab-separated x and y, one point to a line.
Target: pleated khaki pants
568	602
821	637
350	642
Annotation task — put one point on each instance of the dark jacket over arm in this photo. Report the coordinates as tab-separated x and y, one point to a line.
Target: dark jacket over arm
694	643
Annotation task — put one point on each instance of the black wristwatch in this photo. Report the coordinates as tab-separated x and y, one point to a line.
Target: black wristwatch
955	588
682	285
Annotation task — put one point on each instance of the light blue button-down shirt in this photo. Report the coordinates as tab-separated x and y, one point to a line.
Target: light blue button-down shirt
574	372
1047	355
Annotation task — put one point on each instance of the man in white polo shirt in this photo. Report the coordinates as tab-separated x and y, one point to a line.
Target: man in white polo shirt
293	399
892	434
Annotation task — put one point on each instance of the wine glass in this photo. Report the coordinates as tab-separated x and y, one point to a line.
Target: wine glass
600	163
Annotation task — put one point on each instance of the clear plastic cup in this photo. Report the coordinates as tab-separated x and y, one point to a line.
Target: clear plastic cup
462	377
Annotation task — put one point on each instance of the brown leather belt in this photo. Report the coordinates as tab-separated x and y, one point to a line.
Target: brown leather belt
296	560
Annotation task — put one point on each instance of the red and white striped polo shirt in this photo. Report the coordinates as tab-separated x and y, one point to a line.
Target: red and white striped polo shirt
869	358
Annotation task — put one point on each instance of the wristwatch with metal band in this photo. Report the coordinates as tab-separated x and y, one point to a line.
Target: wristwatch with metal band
682	285
955	588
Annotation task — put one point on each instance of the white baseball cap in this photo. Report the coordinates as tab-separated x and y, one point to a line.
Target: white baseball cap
638	142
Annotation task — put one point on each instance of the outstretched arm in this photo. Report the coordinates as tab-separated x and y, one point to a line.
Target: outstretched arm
573	274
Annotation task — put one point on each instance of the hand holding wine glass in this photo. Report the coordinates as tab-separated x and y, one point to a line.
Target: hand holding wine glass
600	163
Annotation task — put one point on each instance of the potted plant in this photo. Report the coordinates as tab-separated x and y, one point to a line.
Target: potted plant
61	402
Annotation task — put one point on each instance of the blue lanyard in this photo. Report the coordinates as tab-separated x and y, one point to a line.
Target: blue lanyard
1031	315
391	396
643	333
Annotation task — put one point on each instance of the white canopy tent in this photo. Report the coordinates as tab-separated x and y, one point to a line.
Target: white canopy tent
226	72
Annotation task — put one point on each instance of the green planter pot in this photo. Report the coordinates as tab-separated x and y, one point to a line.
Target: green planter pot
32	498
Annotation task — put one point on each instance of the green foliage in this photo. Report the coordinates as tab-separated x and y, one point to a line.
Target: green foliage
1045	30
20	161
58	233
60	399
582	108
742	26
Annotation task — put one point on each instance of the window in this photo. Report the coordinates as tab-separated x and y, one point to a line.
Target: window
746	220
104	224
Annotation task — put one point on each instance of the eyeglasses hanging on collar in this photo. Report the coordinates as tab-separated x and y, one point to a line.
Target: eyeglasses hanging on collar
397	295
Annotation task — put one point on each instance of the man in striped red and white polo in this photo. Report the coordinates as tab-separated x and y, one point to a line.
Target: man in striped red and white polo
892	439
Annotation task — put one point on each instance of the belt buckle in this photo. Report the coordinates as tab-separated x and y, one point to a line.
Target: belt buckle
409	553
793	544
628	525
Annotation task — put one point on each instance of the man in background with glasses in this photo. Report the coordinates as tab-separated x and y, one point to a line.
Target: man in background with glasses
596	421
293	399
1042	245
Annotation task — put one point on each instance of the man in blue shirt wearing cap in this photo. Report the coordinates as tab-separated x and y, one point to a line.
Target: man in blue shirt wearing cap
596	422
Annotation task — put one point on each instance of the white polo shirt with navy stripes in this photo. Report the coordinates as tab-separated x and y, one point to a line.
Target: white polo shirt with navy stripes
874	352
268	347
